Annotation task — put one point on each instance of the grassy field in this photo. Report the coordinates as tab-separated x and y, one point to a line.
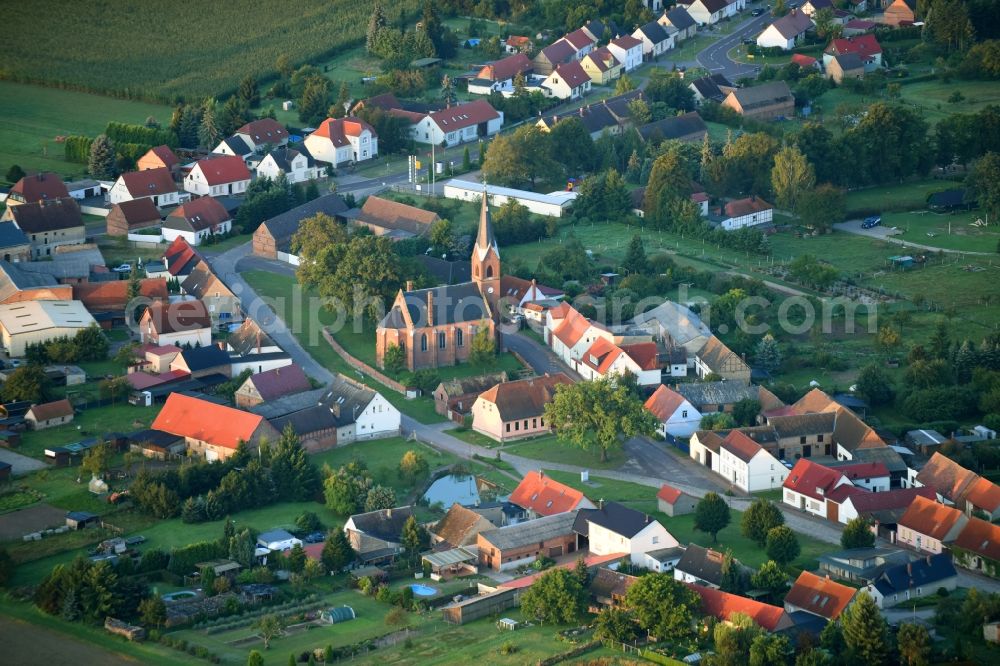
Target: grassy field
124	418
886	198
949	231
31	117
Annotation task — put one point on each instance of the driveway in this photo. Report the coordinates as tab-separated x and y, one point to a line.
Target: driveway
885	233
715	57
20	464
226	266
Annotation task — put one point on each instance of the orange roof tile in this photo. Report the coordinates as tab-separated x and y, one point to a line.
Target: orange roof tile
947	477
812	479
722	605
740	445
524	398
645	354
664	402
185	416
929	518
981	538
668	494
984	494
573	327
819	596
545	496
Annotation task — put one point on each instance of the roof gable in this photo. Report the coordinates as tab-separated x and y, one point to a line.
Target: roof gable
524	398
206	421
223	169
149	182
925	516
819	596
464	115
545	496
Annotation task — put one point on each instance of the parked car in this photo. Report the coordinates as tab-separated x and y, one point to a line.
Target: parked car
749	40
871	221
124	268
757	12
315	537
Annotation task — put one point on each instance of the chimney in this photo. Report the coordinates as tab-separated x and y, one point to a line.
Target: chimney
430	308
409	285
258	340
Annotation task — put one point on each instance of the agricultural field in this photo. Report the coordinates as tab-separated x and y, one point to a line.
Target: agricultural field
138	53
32	119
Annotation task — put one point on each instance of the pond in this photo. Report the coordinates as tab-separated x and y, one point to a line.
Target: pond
181	595
423	590
465	489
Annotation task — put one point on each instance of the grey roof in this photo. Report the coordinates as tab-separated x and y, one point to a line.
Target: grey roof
674	127
64	265
676	321
613	516
710	86
925	437
703	563
716	393
680	18
247	338
238	145
452	304
283	227
11	236
796	425
654	32
849	61
385	524
601	115
283	157
446	272
925	572
202	358
883	454
763	95
531	531
13	279
274	535
289	404
155	437
338	406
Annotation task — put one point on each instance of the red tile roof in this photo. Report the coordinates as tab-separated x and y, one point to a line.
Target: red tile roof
143	380
644	354
138	211
518	41
524	398
820	596
929	518
601	354
545	496
865	503
740	445
664	402
338	129
981	538
747	206
865	46
223	169
865	470
984	494
722	605
151	182
464	115
206	421
506	68
812	479
52	410
579	39
265	130
113	295
947	477
627	42
572	73
572	327
668	494
44	186
275	383
177	317
803	60
201	213
164	154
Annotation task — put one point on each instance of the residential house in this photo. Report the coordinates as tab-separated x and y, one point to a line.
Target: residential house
376	536
459	527
718	396
977	547
235	146
296	165
180	258
218	176
347	411
723	605
516	293
873	476
570	334
509	547
499	75
385	217
861	565
38	187
183	323
250	339
763	102
614	528
48	224
818	596
49	414
339	141
196	220
746	464
674	414
806	62
604	358
899	13
602	66
277	541
582	42
556	53
518	44
715	358
270	385
609	587
674	502
198	362
211	430
156	184
514	410
263	132
928	526
656	40
855	27
849	437
702	566
688	127
159	157
602	31
914	580
458	124
845	66
742	213
816	489
202	283
786	31
567	81
866	47
710	12
810	7
714	87
882	509
681	20
627	50
132	216
963	488
454	398
273	238
539	495
14	244
611	115
29	322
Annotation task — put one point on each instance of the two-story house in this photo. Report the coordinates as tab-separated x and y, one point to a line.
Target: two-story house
339	141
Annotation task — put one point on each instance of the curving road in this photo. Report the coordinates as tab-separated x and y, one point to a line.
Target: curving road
715	57
887	234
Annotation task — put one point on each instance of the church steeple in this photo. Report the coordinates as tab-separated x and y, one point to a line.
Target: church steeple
486	256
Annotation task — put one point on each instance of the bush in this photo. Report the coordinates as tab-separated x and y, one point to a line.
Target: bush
508	648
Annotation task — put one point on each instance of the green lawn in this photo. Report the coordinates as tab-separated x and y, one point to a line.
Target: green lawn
908	196
382	457
32	117
950	231
96	422
550	449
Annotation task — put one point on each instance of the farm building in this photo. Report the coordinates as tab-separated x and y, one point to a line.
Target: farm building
554	204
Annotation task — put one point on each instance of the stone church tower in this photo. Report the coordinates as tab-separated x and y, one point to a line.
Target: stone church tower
486	258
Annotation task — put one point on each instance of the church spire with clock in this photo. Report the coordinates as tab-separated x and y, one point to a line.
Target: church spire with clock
486	257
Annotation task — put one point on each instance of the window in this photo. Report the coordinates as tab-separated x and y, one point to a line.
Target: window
656	539
819	438
534	423
517	426
507	427
802	440
458	337
684	414
525	424
423	342
442	341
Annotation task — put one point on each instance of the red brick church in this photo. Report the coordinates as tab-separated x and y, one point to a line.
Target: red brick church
434	327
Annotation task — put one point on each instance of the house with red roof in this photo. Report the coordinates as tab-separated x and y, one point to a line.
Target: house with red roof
220	175
211	430
751	211
515	410
159	157
865	47
627	50
458	124
810	486
180	323
271	385
339	141
873	476
883	510
263	132
674	502
518	44
582	41
722	605
499	75
156	184
567	81
747	465
977	547
602	66
928	526
675	415
196	220
604	358
805	62
540	495
42	186
819	596
570	334
960	487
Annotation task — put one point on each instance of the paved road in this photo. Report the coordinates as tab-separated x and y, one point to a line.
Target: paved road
715	57
226	266
20	464
888	234
540	358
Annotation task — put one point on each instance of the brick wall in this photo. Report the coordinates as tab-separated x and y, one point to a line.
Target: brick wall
264	244
363	367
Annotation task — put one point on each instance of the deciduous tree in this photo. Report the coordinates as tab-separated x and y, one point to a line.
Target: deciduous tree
269	627
770	577
711	515
857	534
791	177
556	597
759	519
914	644
782	544
662	606
866	633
